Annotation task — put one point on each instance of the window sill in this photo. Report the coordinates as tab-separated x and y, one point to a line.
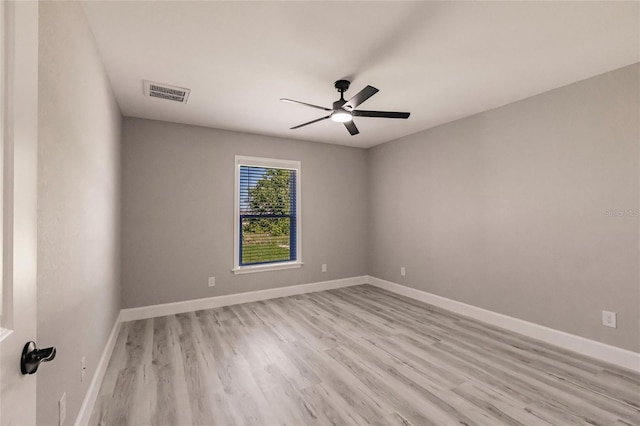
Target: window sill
265	268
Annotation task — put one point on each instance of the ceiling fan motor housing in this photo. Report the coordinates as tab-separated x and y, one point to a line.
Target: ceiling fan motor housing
338	104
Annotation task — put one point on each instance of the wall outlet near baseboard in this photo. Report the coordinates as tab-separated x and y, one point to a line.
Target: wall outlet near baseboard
212	281
609	319
324	267
403	271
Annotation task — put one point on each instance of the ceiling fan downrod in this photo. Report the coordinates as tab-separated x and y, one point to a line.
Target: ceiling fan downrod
341	86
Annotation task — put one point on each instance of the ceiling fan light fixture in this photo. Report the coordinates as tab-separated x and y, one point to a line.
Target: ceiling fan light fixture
341	116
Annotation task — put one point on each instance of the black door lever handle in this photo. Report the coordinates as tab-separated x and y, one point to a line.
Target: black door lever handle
32	357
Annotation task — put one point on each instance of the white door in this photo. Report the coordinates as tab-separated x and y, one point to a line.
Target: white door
19	100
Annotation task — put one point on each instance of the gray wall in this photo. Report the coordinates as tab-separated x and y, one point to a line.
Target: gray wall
509	210
78	207
177	221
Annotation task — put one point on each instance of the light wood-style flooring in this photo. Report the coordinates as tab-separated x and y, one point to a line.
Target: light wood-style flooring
353	356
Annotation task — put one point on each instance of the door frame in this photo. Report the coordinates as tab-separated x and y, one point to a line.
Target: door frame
19	207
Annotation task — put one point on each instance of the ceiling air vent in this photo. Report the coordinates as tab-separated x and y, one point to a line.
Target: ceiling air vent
164	91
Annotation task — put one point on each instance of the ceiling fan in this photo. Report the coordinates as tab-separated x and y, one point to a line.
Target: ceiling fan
344	111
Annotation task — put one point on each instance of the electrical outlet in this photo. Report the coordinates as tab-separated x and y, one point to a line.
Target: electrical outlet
324	267
62	409
403	272
609	319
212	281
83	369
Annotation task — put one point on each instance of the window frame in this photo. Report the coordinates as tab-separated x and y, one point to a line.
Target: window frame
241	160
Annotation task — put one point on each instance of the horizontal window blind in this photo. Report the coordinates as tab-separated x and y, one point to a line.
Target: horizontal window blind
268	217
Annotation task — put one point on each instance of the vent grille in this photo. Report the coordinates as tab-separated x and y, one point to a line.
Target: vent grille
165	91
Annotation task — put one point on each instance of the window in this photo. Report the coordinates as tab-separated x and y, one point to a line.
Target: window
267	214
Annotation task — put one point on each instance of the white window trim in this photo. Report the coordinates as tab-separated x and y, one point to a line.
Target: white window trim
242	160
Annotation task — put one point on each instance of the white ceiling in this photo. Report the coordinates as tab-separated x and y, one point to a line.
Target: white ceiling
439	60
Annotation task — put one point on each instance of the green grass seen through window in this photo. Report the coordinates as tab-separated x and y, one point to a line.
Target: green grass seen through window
263	248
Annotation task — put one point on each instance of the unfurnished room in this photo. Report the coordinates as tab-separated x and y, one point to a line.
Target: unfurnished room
320	213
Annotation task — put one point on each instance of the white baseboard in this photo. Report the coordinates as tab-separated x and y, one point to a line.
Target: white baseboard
144	312
611	354
94	387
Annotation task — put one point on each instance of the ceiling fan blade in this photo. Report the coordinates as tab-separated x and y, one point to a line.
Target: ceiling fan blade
381	114
351	127
310	122
360	97
304	103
